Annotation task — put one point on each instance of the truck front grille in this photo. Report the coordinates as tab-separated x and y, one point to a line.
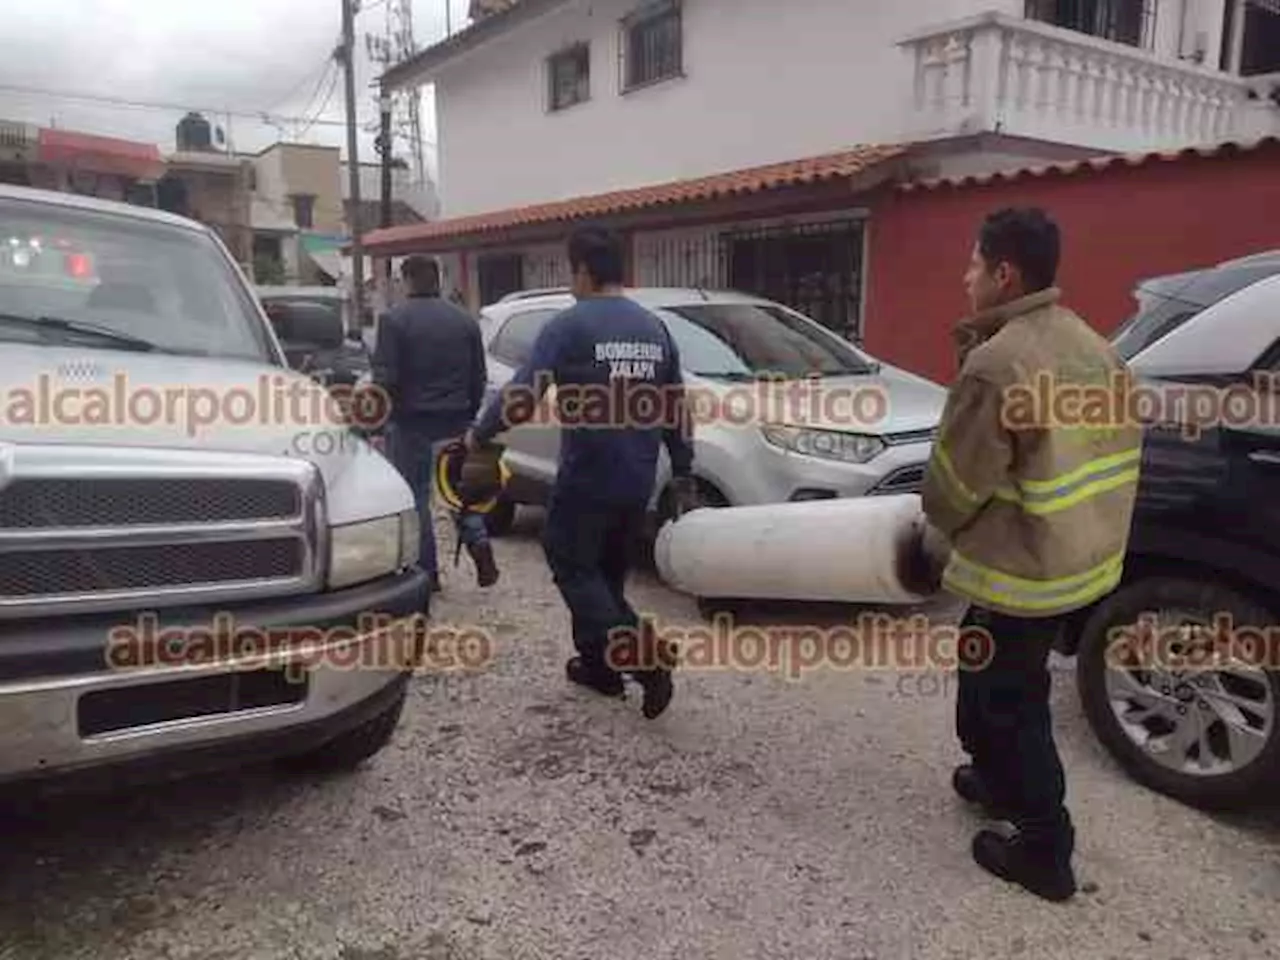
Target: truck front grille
111	569
38	504
86	529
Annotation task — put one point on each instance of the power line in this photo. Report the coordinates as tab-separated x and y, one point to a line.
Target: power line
328	97
158	105
325	64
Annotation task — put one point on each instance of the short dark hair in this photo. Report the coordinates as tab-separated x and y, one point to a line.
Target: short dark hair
423	274
1026	237
599	249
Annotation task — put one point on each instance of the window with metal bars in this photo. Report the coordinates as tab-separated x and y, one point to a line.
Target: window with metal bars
1130	22
569	76
652	45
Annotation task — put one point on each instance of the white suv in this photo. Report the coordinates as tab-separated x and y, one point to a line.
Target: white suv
766	432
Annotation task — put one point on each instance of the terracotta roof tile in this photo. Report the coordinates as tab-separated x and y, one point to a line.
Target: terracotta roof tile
1091	165
832	166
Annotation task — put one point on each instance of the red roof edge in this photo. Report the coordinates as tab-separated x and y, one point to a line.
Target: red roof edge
88	151
1092	166
845	164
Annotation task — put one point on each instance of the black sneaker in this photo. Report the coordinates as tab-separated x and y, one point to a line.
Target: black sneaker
604	682
1043	874
966	782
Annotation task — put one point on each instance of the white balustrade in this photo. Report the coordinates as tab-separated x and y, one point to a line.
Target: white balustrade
1025	78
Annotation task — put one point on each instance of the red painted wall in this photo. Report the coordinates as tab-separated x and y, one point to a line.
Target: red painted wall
1119	225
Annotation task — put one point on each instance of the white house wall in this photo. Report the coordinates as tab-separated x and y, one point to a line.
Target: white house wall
765	82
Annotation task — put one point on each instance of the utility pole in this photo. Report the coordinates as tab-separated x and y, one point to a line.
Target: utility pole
384	149
353	160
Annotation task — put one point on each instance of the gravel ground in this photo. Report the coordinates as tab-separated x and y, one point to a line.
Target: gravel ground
516	818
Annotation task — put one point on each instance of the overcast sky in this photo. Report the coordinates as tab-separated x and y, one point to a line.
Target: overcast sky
247	56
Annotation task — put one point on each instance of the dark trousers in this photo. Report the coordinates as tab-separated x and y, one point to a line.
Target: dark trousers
412	448
588	548
1004	724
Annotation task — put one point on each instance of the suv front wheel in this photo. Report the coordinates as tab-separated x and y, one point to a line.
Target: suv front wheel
1180	715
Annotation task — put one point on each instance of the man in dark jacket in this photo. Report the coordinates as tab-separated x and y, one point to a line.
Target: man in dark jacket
429	359
606	346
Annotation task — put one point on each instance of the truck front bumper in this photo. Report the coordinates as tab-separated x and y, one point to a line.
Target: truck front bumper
72	700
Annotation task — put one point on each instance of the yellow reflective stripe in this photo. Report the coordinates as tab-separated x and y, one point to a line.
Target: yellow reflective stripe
967	577
1084	472
953	481
1043	497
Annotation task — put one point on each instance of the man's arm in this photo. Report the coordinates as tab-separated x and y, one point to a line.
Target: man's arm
517	402
971	457
386	357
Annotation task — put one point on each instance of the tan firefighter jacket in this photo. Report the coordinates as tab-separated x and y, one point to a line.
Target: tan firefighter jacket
1034	473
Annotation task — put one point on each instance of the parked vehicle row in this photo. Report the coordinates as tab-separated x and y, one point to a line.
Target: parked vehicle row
121	525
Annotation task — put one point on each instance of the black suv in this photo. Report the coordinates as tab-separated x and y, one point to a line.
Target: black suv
1204	558
316	338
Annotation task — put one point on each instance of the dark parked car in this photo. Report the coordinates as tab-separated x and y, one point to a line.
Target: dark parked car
316	334
1204	559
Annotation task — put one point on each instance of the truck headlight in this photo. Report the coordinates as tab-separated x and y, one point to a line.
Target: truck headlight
359	552
825	444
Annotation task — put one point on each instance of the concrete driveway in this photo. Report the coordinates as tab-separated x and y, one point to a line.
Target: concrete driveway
516	818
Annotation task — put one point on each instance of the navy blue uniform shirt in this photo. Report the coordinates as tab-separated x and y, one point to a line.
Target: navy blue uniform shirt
619	395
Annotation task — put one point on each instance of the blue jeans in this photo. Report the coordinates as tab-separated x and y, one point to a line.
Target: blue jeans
413	449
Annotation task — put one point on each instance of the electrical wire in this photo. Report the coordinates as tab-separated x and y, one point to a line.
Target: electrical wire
333	86
166	107
325	64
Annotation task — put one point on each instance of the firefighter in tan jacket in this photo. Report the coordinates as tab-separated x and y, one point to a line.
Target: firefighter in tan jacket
1032	484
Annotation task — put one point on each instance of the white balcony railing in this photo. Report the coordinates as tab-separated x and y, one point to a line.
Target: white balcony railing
1000	73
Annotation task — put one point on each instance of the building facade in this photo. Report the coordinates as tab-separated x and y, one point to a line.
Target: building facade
739	146
551	99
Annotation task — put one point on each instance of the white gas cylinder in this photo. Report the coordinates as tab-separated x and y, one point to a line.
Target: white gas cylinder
855	550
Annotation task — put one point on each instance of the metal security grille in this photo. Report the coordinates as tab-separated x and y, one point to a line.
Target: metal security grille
681	259
1132	22
813	268
652	45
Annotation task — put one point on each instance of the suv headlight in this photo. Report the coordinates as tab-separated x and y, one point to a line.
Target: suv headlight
825	444
359	552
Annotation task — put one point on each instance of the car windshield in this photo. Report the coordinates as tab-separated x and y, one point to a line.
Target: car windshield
1166	303
752	341
67	272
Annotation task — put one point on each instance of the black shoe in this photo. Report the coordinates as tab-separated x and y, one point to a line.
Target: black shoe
969	786
658	691
604	682
486	566
1012	860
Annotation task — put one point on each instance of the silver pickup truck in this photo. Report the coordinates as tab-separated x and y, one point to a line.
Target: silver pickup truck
200	562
